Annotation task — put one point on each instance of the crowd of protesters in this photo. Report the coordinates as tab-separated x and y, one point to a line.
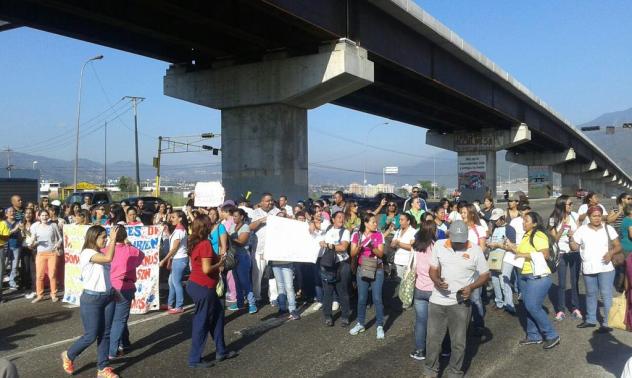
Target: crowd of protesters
459	255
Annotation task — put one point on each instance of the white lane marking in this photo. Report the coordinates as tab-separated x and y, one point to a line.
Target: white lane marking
61	342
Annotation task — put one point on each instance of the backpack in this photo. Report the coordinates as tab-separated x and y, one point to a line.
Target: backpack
553	261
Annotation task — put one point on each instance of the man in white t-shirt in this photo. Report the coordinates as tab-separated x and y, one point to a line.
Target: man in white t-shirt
258	227
283	205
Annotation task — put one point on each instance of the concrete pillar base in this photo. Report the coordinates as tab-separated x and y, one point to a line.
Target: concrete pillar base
264	149
570	184
540	181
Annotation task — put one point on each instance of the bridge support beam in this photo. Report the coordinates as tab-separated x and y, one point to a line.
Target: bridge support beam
264	112
540	169
477	156
572	176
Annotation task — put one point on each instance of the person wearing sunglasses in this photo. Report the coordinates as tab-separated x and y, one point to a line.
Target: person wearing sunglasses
563	223
414	194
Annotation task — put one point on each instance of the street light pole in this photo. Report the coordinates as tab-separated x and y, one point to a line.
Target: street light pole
98	57
509	173
105	158
135	101
364	152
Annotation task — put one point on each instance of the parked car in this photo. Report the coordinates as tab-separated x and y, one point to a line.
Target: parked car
151	203
98	198
581	193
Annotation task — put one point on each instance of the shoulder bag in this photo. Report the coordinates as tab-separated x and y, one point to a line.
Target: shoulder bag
407	286
368	267
618	259
329	258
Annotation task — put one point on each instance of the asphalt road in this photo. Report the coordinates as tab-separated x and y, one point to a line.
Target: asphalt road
33	336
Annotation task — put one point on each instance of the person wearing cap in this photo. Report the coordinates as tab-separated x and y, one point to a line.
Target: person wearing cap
597	244
535	284
457	267
503	295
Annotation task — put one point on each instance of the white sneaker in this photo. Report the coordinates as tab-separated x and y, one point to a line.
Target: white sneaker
358	328
335	306
380	332
6	279
30	295
316	306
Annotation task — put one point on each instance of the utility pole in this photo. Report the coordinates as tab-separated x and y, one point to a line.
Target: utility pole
105	159
157	166
135	101
8	150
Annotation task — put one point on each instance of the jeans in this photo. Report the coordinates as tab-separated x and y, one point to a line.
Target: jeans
284	276
570	262
27	273
454	319
534	291
602	283
176	293
503	295
243	278
342	288
45	260
119	335
478	308
208	318
96	315
421	318
14	255
363	296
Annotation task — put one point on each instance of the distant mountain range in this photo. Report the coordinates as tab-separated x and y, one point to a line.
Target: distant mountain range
617	146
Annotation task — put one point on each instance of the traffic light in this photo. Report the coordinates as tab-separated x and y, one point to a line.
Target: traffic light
591	128
215	151
627	125
208	135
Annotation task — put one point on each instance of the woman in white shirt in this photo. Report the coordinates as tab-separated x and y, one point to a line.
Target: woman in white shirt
562	224
47	241
477	235
402	242
97	300
177	261
597	244
591	199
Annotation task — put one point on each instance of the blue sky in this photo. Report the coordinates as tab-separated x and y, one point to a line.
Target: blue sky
575	55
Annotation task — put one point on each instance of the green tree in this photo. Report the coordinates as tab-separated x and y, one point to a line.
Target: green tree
125	183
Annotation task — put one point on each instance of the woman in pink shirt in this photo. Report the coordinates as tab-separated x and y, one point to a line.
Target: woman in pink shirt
424	240
123	278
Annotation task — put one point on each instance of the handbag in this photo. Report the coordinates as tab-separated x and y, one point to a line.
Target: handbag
220	288
495	261
329	258
618	259
368	267
407	286
616	315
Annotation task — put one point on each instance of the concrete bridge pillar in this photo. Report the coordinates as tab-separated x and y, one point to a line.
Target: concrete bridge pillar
477	156
572	176
264	112
540	169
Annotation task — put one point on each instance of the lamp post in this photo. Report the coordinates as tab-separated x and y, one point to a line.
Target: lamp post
98	57
364	166
34	164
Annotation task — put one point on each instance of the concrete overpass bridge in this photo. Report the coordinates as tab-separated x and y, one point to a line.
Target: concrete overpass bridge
264	63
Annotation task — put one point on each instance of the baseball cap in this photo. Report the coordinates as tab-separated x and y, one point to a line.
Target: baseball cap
228	202
458	232
516	196
497	214
56	203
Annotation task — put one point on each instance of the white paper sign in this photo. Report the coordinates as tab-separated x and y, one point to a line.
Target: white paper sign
209	194
289	240
510	258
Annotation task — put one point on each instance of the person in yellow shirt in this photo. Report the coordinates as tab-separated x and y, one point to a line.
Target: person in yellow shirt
4	239
535	287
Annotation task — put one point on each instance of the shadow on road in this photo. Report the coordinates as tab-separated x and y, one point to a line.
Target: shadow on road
608	352
13	333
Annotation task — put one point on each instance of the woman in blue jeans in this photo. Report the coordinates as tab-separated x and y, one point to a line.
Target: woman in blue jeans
422	246
123	279
562	224
597	244
239	234
535	284
177	260
97	305
368	243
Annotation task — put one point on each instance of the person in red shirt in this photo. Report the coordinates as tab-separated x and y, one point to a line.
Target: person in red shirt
209	311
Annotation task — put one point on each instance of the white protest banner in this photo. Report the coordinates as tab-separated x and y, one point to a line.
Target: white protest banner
289	240
145	238
209	194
